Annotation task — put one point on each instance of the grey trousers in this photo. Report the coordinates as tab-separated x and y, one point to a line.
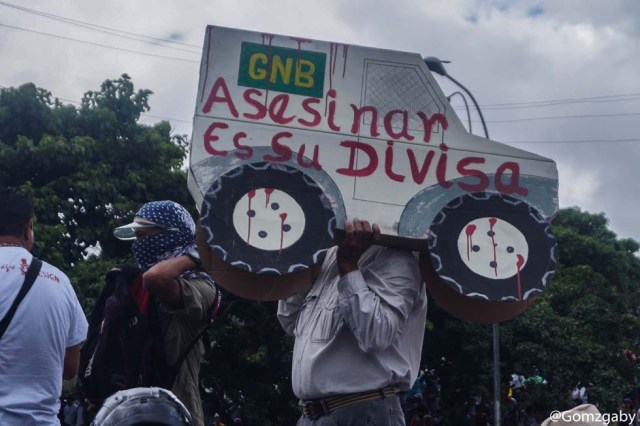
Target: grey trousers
380	412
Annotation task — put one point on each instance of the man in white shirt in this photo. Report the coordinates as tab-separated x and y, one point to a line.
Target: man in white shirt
358	332
41	345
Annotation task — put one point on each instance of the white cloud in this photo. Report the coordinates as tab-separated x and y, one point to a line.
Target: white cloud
513	51
578	187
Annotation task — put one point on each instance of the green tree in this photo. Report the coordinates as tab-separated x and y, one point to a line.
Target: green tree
251	363
89	169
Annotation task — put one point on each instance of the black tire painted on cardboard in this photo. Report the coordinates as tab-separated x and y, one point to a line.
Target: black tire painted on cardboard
229	189
454	222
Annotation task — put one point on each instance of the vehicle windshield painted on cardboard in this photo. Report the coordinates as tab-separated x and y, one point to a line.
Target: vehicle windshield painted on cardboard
293	136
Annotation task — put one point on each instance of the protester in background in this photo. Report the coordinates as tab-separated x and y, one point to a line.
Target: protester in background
63	407
579	394
41	345
416	412
358	332
431	393
165	249
217	420
75	414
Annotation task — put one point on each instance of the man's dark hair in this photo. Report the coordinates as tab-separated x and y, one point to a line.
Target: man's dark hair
16	208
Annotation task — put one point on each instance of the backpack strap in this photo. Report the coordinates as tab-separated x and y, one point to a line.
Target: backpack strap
29	279
213	311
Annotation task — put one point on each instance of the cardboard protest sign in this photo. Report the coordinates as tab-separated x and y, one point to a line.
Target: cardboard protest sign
293	136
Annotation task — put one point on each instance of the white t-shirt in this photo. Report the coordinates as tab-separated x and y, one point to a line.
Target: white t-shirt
48	320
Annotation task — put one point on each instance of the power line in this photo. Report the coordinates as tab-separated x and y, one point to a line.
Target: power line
604	98
154	40
107	30
113	31
100	45
577	141
167	118
557	117
535	104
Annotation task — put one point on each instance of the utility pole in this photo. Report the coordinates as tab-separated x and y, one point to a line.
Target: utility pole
436	65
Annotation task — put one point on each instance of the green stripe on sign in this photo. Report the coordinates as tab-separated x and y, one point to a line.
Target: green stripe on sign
281	69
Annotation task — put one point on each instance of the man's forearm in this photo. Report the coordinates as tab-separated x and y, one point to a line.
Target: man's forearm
71	362
161	280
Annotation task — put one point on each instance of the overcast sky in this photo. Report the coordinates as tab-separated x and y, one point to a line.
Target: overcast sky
560	78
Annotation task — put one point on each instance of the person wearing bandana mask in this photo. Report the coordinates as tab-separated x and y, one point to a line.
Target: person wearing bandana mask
165	249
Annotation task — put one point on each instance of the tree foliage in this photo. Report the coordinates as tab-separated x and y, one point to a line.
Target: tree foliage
90	167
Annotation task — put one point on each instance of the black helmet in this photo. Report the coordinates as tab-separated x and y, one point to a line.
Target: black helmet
142	406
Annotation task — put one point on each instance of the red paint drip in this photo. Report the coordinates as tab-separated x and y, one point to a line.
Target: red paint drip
519	264
332	47
345	49
268	37
268	192
251	194
469	230
283	217
492	223
333	55
299	41
335	59
206	72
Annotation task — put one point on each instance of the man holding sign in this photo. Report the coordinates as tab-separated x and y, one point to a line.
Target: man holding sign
291	137
358	332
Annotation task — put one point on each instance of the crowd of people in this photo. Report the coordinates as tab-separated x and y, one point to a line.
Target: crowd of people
73	411
358	323
421	404
43	339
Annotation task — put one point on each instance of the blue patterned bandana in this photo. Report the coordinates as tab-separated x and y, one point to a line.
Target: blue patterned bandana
179	237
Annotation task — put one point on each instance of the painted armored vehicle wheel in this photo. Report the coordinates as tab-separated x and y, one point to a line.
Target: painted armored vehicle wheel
492	246
268	218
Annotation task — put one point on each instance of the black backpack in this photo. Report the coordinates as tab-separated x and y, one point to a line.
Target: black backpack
125	343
